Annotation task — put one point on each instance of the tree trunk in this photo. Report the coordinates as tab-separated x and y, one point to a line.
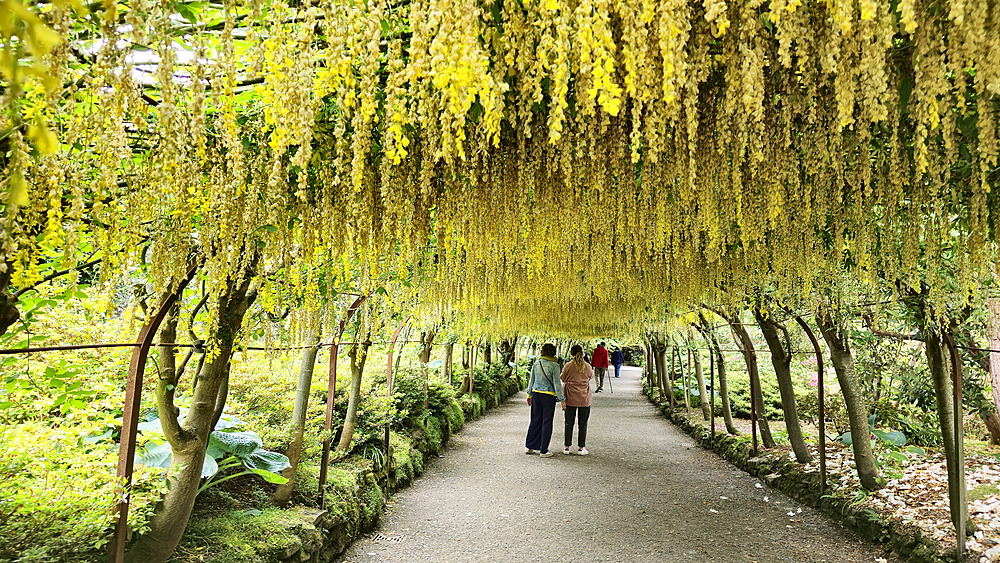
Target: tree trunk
781	359
685	379
661	369
358	355
466	354
854	400
427	345
673	368
993	426
8	304
940	369
487	353
750	357
720	363
449	349
993	337
189	442
703	402
307	364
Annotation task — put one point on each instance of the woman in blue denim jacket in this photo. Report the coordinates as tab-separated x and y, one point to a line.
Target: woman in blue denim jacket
544	390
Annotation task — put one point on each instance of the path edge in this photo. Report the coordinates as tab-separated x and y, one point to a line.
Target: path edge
785	475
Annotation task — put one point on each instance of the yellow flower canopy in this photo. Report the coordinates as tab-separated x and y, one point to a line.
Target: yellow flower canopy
554	166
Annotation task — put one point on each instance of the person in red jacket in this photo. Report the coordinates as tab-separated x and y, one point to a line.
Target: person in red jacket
600	361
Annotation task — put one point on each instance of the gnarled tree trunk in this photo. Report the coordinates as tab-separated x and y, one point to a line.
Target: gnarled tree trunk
190	441
358	355
699	374
307	364
720	362
750	357
854	400
449	350
781	359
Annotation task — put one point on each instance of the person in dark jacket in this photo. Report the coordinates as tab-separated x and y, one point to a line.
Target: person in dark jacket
617	359
600	363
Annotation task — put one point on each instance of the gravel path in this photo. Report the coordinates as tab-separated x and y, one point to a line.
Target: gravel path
645	493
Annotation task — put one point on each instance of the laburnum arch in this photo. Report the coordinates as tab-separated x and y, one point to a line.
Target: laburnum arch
553	166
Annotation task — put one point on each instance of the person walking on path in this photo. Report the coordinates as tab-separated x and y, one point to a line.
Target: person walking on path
617	359
576	376
600	363
544	389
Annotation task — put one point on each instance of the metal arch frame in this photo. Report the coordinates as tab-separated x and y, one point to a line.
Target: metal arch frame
331	390
130	416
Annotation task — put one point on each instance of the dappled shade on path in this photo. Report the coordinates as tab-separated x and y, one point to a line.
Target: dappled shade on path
645	493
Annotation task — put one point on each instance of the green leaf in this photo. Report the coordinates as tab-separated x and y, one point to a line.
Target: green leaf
240	444
209	467
266	460
154	455
215	449
915	450
270	228
895	438
186	12
845	439
270	477
435	364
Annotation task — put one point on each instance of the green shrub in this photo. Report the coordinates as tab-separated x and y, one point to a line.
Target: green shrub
456	418
58	489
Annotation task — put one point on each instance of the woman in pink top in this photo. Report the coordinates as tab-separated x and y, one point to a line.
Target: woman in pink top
575	377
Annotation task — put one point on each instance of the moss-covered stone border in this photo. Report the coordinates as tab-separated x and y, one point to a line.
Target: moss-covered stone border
785	475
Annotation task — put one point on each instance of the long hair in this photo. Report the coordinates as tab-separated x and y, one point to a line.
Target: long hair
577	352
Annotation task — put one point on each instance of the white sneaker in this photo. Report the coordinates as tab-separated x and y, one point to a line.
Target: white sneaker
582	451
546	454
530	451
566	450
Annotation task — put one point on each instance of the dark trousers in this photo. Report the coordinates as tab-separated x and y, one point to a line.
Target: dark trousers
583	415
543	409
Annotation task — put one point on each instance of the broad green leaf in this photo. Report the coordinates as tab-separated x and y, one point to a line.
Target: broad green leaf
435	364
216	449
241	444
270	477
266	460
154	455
209	467
894	438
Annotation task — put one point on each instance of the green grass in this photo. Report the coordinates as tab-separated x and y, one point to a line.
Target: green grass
983	491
